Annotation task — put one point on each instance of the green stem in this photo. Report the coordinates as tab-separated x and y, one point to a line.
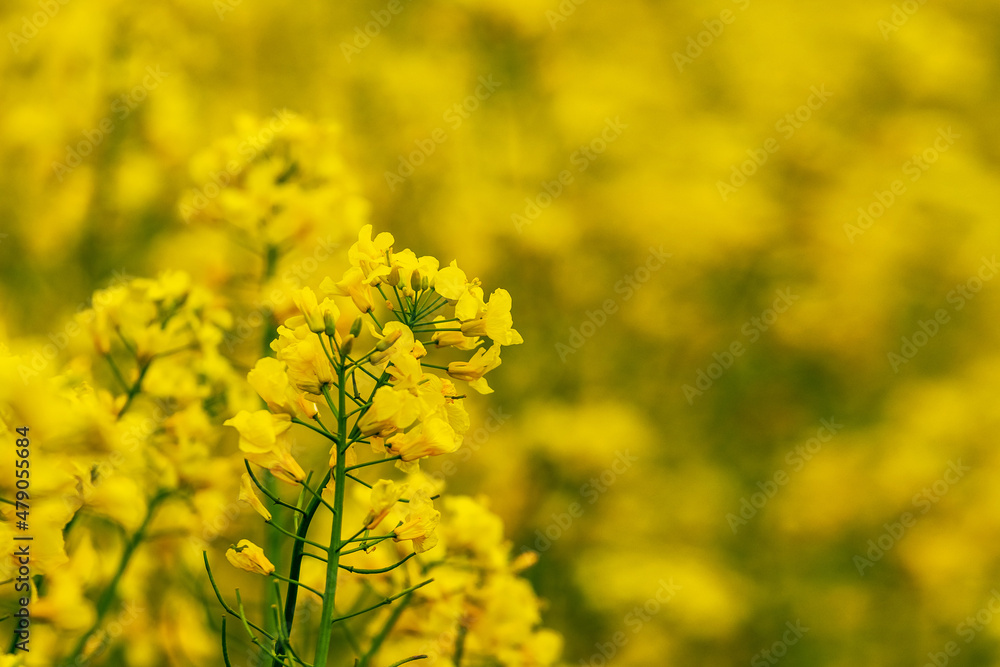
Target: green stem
410	659
108	595
381	570
333	553
384	632
296	420
297	583
372	463
388	600
134	391
273	542
298	548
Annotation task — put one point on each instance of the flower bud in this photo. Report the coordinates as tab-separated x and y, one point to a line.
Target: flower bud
248	556
346	345
329	324
356	327
393	278
309	409
388	341
415	279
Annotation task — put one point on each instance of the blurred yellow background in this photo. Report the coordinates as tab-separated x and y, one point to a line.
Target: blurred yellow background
750	246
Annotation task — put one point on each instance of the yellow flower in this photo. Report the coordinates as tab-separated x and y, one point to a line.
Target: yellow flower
450	282
473	370
391	410
263	441
407	265
432	437
396	338
315	313
308	366
354	285
269	378
385	494
455	339
248	556
369	255
492	319
249	496
420	523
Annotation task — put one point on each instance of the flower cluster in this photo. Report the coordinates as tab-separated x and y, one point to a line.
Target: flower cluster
375	361
123	453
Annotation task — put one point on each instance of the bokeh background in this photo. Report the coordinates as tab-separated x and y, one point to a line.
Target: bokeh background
700	297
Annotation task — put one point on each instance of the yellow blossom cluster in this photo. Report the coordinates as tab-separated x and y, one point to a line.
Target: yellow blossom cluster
390	385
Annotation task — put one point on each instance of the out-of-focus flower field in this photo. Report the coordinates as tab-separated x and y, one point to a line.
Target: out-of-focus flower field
751	249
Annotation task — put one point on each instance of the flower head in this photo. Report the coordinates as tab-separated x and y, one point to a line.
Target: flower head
248	556
432	437
420	523
385	494
491	319
263	441
249	496
269	378
370	255
473	370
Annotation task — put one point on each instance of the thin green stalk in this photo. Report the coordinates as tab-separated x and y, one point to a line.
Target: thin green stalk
108	595
268	490
225	646
412	658
117	373
388	600
134	391
298	551
297	583
381	570
333	553
324	433
372	463
218	595
378	639
298	548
